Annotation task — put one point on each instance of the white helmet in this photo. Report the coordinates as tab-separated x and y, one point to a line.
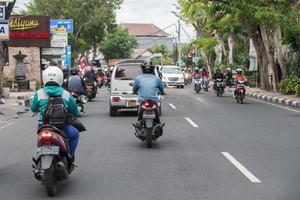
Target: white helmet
53	74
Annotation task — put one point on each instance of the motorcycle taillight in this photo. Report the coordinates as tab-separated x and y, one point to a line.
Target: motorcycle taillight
148	104
46	137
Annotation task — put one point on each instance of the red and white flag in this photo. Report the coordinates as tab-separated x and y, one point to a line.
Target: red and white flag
191	52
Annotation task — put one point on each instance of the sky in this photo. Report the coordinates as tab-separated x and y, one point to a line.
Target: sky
158	12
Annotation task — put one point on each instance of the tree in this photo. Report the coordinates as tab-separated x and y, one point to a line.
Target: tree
8	11
118	44
92	18
265	22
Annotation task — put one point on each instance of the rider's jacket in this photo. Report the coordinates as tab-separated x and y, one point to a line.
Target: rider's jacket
218	76
40	100
147	86
75	84
240	77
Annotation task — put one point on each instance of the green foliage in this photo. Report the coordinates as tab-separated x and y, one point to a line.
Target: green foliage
6	81
161	48
118	44
92	18
297	90
289	85
207	43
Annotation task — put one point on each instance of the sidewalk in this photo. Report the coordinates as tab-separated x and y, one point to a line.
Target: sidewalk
273	97
15	105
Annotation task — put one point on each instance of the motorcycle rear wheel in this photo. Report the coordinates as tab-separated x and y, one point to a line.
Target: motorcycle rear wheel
149	137
50	181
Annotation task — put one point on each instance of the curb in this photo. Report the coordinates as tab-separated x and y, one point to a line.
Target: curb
275	100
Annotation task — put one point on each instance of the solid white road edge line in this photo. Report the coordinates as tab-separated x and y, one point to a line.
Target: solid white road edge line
272	104
191	122
172	106
241	167
6	125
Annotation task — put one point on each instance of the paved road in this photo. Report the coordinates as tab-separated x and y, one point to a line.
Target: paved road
212	149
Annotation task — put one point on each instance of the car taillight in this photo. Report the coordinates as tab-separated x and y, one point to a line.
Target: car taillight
148	104
115	99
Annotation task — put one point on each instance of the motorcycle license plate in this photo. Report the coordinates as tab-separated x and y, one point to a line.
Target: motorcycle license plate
219	84
148	116
47	150
131	103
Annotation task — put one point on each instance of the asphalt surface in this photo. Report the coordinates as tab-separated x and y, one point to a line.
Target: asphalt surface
212	149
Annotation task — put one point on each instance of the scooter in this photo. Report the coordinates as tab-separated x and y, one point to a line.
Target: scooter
219	87
205	84
240	92
198	85
149	129
80	100
53	162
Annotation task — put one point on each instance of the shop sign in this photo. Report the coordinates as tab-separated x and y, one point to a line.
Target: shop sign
4	31
29	31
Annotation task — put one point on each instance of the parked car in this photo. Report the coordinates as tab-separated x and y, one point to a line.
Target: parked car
121	94
172	76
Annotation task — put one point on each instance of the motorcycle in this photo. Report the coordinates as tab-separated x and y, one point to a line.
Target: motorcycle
198	85
150	130
52	162
187	79
240	92
80	100
205	84
219	87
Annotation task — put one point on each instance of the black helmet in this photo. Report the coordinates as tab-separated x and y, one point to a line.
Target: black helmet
73	72
147	67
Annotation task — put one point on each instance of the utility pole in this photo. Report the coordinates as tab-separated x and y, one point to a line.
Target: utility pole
179	43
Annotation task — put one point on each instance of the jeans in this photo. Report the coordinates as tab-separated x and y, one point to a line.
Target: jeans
73	135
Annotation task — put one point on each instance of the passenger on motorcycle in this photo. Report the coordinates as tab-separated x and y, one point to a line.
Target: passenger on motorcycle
89	75
204	73
197	73
53	79
217	75
239	77
76	83
147	87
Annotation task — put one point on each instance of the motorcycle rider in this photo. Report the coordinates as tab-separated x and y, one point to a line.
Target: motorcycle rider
229	77
89	75
204	73
53	80
197	73
217	75
239	77
147	87
76	84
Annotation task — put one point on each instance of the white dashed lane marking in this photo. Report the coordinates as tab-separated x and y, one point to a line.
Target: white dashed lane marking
241	167
172	106
191	122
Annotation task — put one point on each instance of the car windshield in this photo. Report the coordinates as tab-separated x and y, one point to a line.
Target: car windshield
128	72
171	70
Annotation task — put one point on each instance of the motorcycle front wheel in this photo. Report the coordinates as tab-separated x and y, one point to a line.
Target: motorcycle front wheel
50	181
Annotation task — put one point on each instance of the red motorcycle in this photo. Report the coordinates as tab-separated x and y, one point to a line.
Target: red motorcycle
52	162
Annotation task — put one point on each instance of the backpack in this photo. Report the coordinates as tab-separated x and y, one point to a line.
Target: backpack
56	113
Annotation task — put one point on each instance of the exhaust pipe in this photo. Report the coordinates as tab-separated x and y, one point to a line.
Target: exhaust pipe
61	171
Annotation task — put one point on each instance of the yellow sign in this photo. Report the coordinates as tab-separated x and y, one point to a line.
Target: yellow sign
59	30
19	24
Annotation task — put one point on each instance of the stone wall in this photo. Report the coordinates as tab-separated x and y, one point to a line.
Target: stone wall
32	62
